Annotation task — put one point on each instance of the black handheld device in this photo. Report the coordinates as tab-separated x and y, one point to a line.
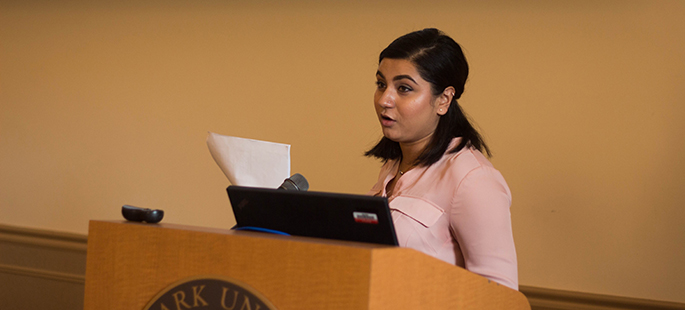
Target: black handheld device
136	214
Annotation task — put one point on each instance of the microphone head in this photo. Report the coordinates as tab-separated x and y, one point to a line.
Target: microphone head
300	181
295	182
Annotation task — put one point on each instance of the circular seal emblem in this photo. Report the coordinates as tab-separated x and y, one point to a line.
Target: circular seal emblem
210	293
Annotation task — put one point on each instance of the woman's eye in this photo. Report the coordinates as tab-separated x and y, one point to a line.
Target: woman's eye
380	84
404	89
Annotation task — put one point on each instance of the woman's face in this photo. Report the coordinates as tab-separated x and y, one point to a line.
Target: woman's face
405	105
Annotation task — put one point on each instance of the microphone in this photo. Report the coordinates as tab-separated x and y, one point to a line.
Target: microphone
295	182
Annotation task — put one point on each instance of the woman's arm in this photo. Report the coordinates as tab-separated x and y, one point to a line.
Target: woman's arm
481	223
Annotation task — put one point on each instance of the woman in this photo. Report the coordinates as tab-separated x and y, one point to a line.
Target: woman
446	198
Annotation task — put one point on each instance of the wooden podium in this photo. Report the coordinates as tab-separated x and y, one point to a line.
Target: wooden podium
128	264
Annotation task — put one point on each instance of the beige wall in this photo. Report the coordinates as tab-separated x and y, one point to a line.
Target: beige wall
581	101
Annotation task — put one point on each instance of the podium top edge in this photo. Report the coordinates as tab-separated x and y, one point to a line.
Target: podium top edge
249	234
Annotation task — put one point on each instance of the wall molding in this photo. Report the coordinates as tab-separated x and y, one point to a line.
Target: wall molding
49	262
43	274
43	238
551	299
539	298
26	243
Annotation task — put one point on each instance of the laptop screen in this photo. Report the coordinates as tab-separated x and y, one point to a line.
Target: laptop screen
314	214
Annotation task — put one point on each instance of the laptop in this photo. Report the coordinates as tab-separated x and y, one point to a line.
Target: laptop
313	214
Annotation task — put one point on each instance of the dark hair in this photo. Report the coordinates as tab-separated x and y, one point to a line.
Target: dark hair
440	61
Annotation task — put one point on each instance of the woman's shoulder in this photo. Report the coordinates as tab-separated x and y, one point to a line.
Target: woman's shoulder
470	168
465	161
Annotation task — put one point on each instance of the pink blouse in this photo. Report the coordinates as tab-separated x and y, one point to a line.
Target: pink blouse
456	210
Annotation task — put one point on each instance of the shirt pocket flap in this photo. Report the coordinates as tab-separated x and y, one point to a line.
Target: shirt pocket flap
422	211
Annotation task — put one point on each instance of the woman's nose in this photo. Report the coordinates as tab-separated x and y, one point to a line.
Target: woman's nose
386	99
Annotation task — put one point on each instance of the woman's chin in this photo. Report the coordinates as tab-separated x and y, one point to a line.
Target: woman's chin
390	136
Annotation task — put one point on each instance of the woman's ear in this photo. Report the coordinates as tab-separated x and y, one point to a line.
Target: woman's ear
444	100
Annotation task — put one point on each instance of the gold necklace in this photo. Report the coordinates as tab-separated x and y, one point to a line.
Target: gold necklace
399	168
402	172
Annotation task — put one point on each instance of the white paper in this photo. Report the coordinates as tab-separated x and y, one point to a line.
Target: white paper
248	162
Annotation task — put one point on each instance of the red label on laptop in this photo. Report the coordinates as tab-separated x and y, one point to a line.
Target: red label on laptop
365	217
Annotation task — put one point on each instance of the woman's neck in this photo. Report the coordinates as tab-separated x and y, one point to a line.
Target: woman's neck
411	151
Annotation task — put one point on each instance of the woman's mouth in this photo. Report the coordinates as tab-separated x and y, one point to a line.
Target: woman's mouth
387	121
